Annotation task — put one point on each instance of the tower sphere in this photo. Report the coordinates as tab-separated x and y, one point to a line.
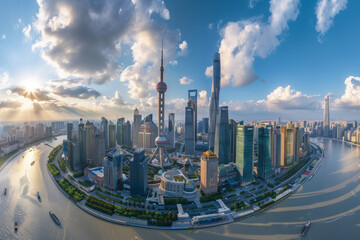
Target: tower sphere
160	141
161	87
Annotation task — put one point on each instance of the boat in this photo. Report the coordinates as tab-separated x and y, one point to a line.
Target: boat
5	191
54	217
16	226
305	229
32	163
38	196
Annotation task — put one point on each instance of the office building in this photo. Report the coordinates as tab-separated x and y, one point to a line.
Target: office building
69	130
214	100
105	129
222	136
232	134
205	128
147	133
126	134
112	135
209	173
189	130
244	153
136	127
264	167
170	138
326	130
119	131
192	94
138	173
112	164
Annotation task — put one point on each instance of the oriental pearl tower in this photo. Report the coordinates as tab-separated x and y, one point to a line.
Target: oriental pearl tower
160	152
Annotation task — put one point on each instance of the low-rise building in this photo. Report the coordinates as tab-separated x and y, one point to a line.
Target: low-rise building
95	174
175	184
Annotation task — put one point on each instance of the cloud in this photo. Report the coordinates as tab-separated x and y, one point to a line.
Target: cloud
209	71
326	10
173	62
185	80
183	48
80	38
10	104
117	100
80	92
203	100
288	99
4	80
3	37
245	40
36	94
252	3
26	31
210	26
351	98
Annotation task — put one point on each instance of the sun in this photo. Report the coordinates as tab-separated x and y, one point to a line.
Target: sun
31	86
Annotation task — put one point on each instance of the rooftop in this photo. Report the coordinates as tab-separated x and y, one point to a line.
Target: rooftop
209	154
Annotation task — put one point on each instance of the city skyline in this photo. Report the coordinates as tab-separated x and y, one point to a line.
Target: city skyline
90	89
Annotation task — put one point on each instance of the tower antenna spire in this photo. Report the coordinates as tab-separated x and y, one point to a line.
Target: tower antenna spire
162	62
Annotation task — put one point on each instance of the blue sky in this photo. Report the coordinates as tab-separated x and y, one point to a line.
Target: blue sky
279	58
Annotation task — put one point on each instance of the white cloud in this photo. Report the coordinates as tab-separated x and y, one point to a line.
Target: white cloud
287	98
173	62
3	36
185	80
183	48
252	3
203	100
245	40
4	80
326	10
26	31
351	98
211	26
209	71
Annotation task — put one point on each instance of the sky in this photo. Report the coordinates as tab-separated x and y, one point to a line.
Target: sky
64	59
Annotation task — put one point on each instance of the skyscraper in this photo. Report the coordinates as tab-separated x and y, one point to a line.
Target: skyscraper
160	151
147	133
276	158
136	127
232	134
205	122
119	131
265	151
112	164
171	130
69	128
244	152
112	135
105	129
192	94
214	100
90	143
326	117
126	134
189	130
138	173
209	173
82	141
222	136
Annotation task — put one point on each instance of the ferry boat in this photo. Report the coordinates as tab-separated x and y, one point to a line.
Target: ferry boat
38	196
32	163
5	191
54	217
15	226
305	229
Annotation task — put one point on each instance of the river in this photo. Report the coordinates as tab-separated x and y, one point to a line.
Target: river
330	200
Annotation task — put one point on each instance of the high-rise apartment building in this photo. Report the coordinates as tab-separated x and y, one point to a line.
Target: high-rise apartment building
214	100
209	173
244	153
222	136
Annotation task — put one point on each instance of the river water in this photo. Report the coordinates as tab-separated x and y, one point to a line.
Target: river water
330	200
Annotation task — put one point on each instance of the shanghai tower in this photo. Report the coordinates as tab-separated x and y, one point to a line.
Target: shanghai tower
326	118
214	100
